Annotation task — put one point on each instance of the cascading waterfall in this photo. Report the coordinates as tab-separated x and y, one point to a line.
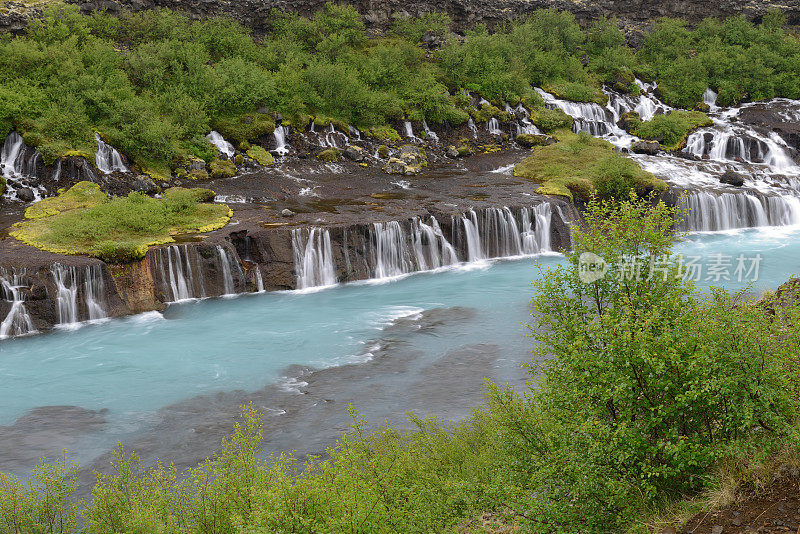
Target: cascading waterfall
17	321
107	159
226	262
493	125
709	212
710	98
390	253
409	131
20	163
66	279
588	117
735	143
69	282
429	134
224	147
175	267
499	232
431	249
259	280
313	257
280	139
473	128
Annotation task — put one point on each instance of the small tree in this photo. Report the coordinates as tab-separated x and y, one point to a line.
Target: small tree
644	382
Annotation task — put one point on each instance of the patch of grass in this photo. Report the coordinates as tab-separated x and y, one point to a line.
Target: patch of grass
84	220
583	165
246	127
222	168
384	133
672	129
550	120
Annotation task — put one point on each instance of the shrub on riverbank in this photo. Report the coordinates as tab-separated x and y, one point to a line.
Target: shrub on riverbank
84	220
583	165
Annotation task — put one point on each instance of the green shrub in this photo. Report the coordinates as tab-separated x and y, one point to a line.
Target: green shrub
550	120
222	168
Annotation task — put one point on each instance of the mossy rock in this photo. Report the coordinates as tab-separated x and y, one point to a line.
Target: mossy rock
238	160
383	151
532	140
243	128
629	121
81	195
331	155
464	150
260	155
672	129
222	168
2	185
384	133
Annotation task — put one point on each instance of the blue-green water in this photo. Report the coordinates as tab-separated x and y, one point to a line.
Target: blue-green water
136	365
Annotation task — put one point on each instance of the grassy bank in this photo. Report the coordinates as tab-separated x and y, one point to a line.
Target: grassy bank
584	166
85	220
154	83
652	400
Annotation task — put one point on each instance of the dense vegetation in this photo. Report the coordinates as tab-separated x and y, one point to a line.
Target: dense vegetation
154	83
584	166
646	393
85	220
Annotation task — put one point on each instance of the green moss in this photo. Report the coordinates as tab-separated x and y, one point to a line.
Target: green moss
672	129
383	151
238	159
2	185
84	220
550	120
222	168
582	165
331	155
576	92
260	155
246	127
384	133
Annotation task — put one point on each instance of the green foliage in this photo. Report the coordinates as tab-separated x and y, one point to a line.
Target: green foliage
84	220
222	168
736	58
672	129
644	384
331	155
435	23
584	166
550	120
577	92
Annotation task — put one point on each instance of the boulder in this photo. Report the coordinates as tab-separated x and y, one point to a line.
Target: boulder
646	147
732	178
287	213
629	121
354	153
532	140
395	166
383	151
25	194
145	184
222	168
413	155
451	152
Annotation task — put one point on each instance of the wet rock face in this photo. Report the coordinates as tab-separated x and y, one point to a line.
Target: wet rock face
465	13
732	178
646	147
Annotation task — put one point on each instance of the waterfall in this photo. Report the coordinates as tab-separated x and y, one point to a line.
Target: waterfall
94	292
280	140
524	125
107	159
499	233
175	267
313	257
66	279
17	321
390	251
729	143
354	133
69	282
429	134
409	130
588	117
259	279
493	125
216	139
431	249
20	163
709	212
227	275
710	98
473	128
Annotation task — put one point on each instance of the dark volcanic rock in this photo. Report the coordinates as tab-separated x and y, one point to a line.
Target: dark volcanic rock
465	13
732	178
646	147
25	194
